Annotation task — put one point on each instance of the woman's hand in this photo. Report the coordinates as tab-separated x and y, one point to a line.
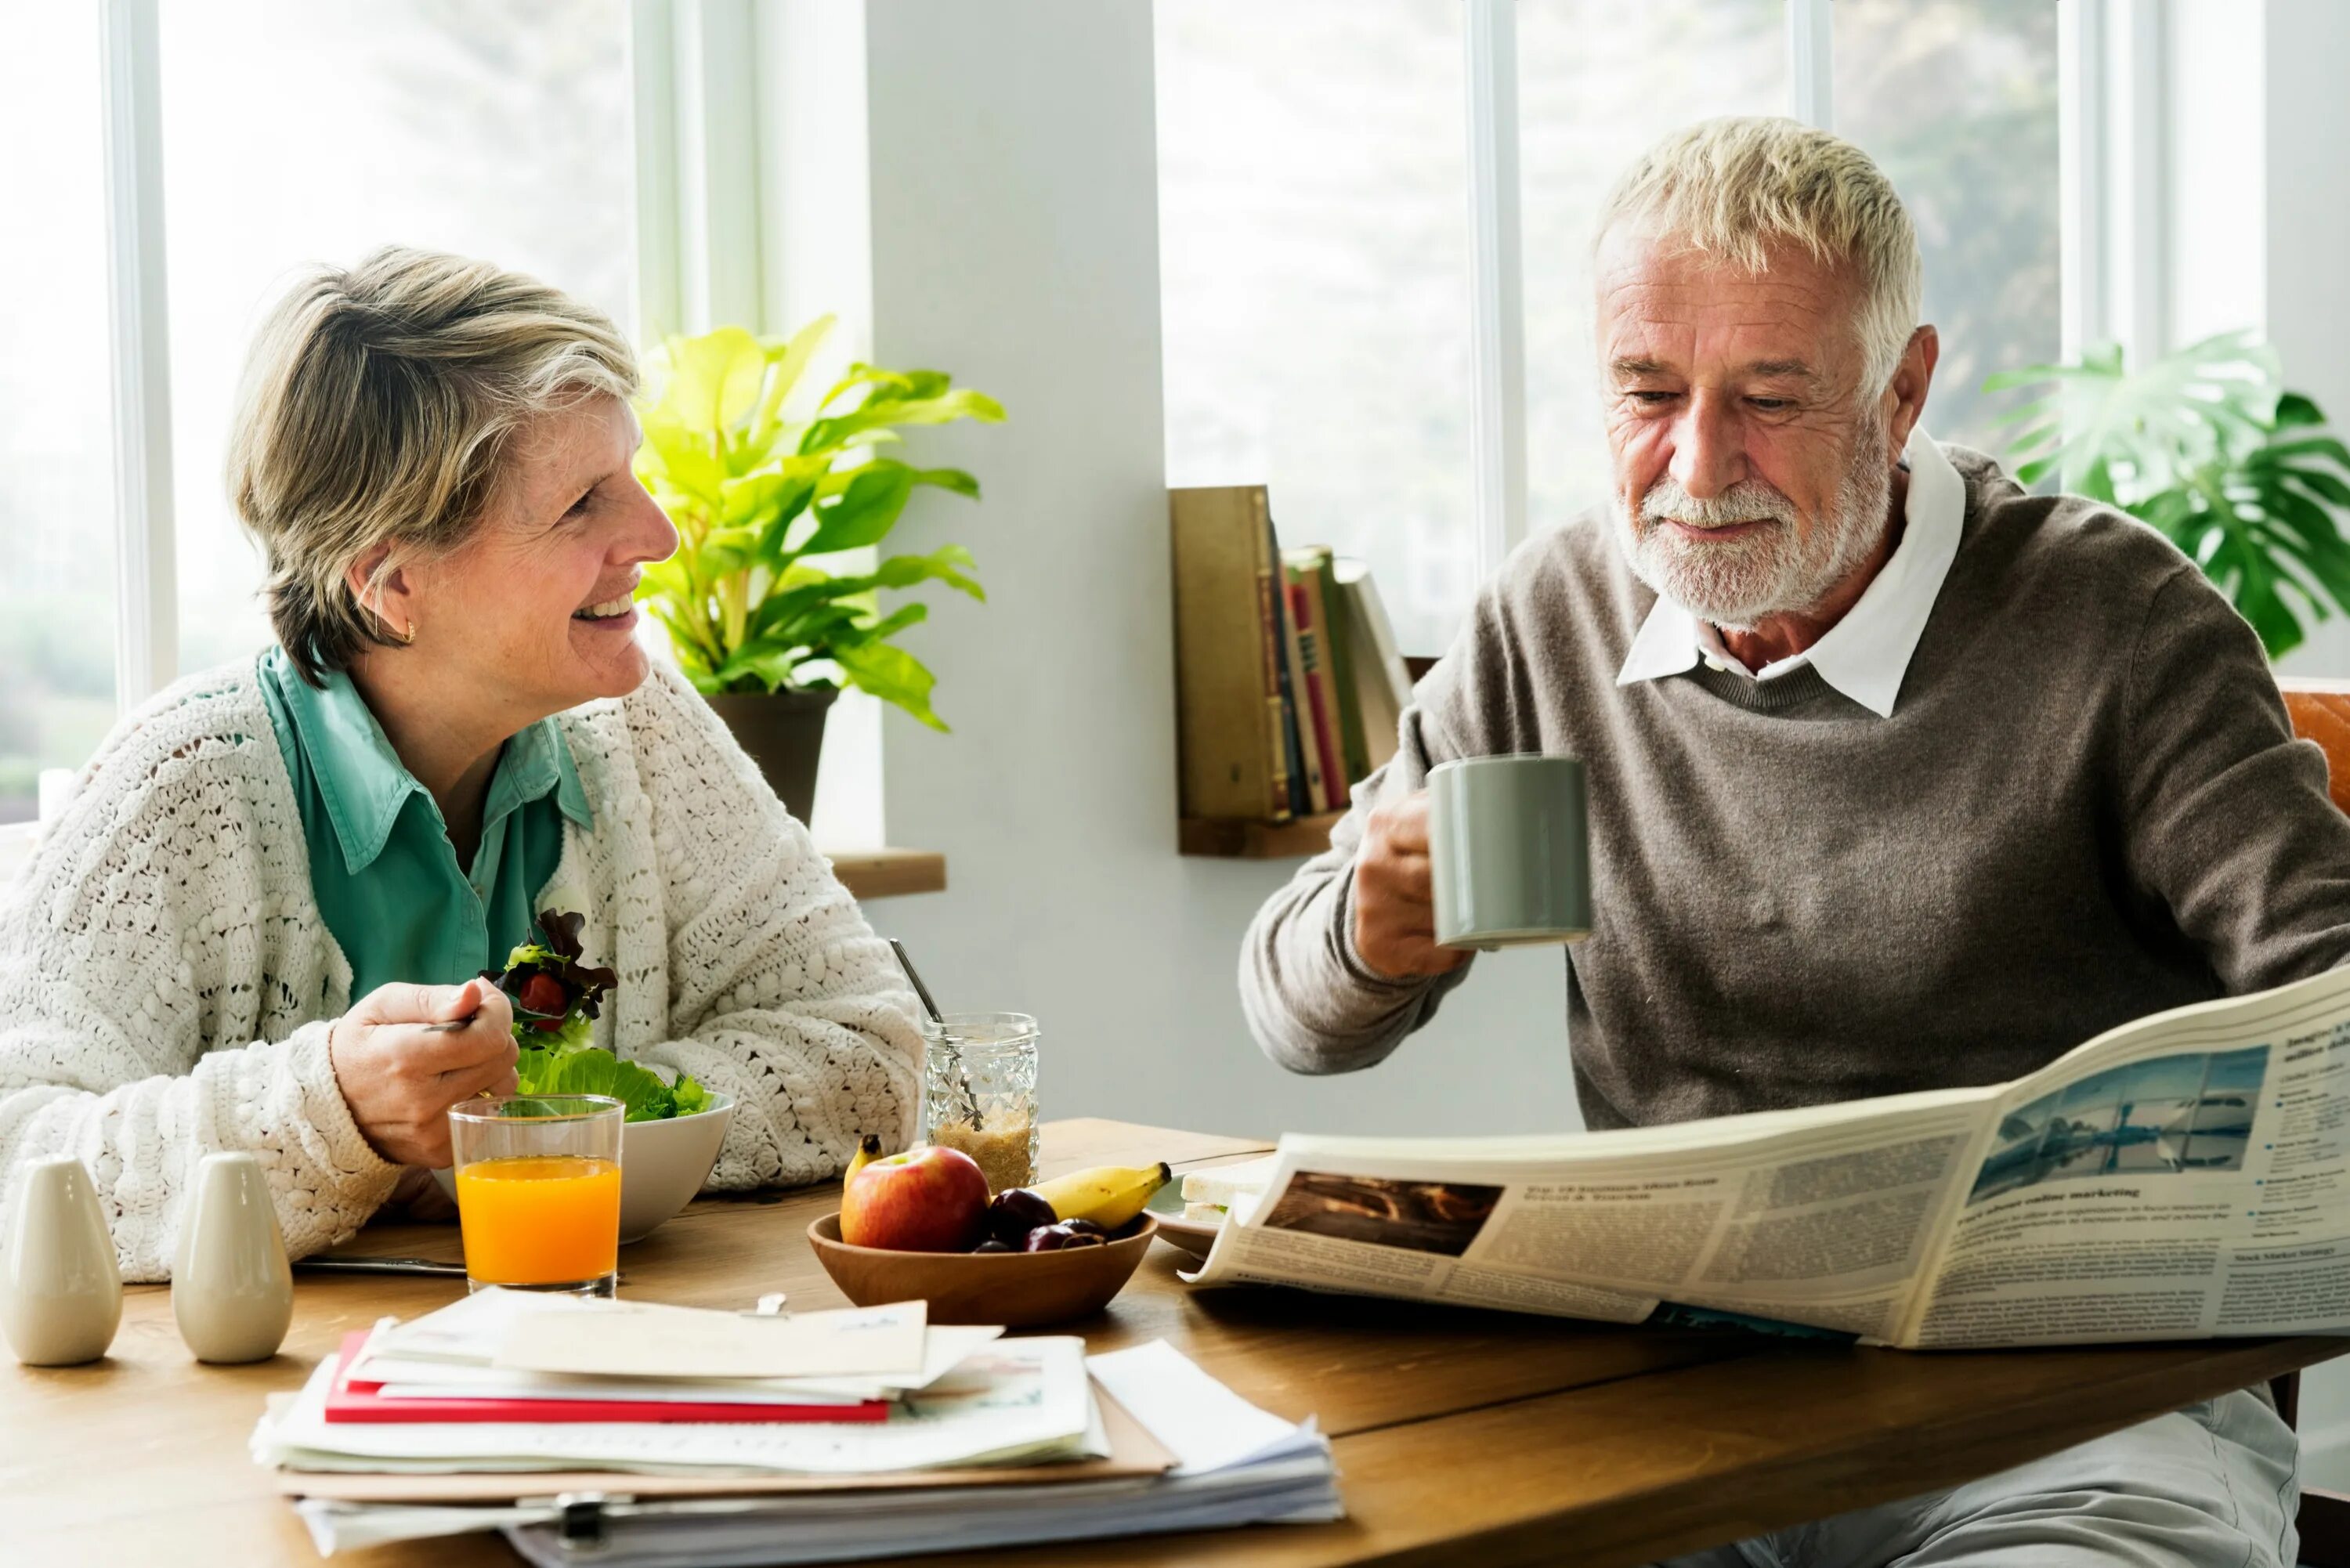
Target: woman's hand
400	1078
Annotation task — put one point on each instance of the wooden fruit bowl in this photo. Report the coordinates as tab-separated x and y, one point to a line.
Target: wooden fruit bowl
1018	1290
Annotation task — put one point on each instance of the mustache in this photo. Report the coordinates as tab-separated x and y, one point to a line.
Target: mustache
1748	501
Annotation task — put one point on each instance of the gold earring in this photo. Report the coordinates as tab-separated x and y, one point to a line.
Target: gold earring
408	637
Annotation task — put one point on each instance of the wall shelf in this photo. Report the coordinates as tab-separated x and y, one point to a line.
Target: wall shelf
1230	839
1225	838
888	873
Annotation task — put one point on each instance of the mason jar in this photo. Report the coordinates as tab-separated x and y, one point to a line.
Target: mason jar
979	1092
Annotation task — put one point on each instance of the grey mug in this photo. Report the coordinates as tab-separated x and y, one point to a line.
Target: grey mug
1510	847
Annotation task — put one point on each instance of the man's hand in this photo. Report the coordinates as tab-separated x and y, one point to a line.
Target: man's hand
1395	899
400	1078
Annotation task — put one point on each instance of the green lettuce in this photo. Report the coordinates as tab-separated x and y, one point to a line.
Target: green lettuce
585	1069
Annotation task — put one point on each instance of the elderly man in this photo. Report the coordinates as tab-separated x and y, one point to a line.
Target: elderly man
1900	778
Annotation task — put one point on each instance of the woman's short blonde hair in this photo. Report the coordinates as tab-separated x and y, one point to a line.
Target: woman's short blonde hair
381	405
1733	187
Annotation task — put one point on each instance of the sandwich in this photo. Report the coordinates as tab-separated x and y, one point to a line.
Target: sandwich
1210	1195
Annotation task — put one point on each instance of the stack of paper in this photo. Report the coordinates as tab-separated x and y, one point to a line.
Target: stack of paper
502	1356
1016	1443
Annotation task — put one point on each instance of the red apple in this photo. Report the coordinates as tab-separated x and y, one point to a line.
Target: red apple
924	1201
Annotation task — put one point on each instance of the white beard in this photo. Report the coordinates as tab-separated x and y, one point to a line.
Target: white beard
1736	582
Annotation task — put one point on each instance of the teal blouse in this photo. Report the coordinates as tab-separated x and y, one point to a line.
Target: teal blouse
381	866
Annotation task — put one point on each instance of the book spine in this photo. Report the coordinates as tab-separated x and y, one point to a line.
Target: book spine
1279	753
1320	699
1317	789
1292	755
1226	704
1340	657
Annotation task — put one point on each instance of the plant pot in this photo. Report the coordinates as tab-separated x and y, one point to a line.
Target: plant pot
784	733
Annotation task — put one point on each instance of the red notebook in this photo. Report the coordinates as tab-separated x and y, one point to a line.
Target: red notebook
356	1399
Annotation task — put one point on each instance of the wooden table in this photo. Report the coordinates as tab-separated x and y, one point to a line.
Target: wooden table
1460	1435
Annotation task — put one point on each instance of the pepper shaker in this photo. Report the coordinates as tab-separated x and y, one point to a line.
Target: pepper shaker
60	1288
231	1287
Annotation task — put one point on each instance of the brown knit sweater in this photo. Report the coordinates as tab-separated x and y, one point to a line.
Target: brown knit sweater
2085	806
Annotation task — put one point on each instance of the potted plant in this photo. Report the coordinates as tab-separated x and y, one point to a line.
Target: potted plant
765	619
2206	445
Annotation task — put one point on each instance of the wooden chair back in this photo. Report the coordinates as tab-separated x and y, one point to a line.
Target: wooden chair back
2320	711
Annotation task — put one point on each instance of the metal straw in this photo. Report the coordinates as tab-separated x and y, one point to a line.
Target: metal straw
953	1045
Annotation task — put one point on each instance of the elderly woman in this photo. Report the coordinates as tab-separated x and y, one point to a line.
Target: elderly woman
276	874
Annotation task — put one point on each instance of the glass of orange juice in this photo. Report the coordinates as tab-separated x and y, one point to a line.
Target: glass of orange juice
538	1191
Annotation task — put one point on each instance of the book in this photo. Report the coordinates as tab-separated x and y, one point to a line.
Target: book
354	1397
1300	803
1381	684
1320	711
2180	1176
1230	722
1309	751
1339	658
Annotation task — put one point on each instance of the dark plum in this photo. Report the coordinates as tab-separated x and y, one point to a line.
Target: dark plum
1016	1211
1061	1236
990	1245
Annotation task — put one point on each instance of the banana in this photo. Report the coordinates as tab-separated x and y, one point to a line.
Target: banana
867	1152
1108	1195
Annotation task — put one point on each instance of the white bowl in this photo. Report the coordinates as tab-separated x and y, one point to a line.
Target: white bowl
662	1165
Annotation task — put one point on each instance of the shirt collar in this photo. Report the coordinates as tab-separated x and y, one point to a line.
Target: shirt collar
1866	654
365	786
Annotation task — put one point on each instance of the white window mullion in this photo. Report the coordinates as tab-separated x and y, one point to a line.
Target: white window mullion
652	71
146	623
698	163
1497	417
1811	62
2083	171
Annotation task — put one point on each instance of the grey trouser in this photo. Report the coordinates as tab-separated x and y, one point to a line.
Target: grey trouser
2213	1486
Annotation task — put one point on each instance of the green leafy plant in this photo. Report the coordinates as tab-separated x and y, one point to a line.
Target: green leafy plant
760	497
2206	445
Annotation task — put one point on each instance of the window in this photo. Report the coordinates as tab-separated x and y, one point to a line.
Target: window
1597	83
1312	262
297	133
56	460
1318	251
1956	100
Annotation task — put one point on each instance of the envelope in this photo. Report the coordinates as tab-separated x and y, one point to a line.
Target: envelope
645	1339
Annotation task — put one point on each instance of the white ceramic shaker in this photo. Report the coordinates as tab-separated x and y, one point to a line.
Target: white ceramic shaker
231	1288
61	1290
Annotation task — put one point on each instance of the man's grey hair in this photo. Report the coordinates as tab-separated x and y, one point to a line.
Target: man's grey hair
1734	187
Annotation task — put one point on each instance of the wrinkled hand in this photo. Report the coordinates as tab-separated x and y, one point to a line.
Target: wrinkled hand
399	1079
1395	895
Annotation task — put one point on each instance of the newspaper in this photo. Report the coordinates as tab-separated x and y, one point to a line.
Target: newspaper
2180	1176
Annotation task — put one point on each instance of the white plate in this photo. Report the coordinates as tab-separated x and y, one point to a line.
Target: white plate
1192	1236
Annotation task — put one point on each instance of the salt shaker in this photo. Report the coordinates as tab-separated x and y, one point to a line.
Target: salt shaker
231	1288
61	1289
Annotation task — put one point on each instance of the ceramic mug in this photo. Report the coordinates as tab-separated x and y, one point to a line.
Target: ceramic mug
231	1287
60	1288
1509	847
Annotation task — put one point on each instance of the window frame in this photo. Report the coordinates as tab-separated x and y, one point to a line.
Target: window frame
701	217
2113	266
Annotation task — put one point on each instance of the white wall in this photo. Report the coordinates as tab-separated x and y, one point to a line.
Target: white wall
1014	243
2307	223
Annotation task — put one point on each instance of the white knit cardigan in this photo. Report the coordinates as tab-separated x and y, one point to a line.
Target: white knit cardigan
167	983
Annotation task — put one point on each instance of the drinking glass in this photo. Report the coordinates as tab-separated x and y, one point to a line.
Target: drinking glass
538	1191
979	1092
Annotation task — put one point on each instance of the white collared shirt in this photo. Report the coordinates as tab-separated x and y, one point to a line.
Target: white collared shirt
1866	654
